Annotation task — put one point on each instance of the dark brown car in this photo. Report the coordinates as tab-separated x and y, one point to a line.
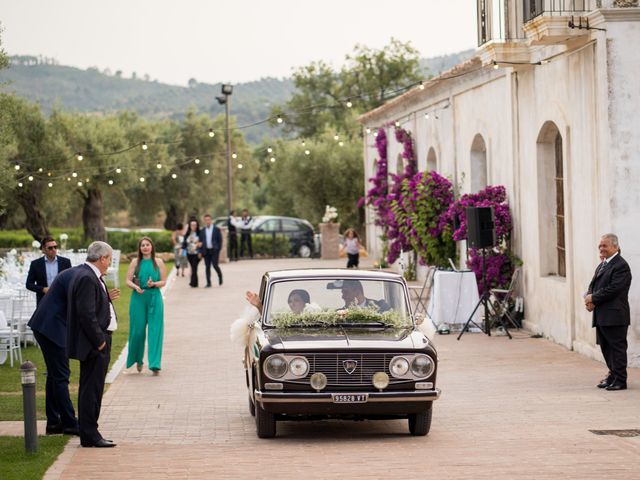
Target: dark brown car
338	344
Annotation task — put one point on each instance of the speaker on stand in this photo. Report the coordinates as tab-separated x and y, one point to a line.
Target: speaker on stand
481	234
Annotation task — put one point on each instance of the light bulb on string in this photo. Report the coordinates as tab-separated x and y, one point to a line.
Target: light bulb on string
197	161
118	170
368	130
144	146
240	166
426	115
336	137
303	143
17	167
206	171
212	133
349	104
159	166
279	119
141	179
68	179
273	159
110	182
421	87
307	152
50	184
30	178
48	174
80	157
341	143
74	174
79	184
41	170
495	65
269	150
397	124
20	184
174	176
234	155
86	180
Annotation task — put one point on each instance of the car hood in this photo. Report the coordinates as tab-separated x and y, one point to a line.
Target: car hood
342	338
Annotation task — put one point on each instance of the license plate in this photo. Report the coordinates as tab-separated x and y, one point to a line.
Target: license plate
350	398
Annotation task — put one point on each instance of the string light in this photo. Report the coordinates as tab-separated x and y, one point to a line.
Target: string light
279	119
17	167
349	104
307	152
397	124
273	159
269	150
118	170
141	179
48	174
41	170
174	176
240	166
74	174
110	182
197	161
20	184
426	115
368	130
144	146
421	87
79	184
159	166
234	155
303	143
336	137
206	171
50	184
341	143
212	133
30	178
80	157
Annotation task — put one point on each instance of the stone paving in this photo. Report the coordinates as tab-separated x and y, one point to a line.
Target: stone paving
510	408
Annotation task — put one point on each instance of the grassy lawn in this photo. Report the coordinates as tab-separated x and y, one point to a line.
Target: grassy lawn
16	464
10	387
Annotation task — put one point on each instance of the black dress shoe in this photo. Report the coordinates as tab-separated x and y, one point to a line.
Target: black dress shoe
604	383
102	443
616	386
54	429
71	431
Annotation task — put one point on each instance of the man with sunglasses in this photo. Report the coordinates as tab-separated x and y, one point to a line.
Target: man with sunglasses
43	270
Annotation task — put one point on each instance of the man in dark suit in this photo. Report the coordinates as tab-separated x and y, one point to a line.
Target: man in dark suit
353	296
91	319
607	298
49	325
211	239
43	270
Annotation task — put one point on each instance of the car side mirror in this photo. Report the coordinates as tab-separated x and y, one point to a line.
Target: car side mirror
419	318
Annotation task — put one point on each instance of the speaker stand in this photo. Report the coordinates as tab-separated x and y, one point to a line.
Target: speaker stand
484	300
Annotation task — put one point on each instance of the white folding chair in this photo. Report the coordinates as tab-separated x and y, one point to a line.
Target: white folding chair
420	293
113	270
23	307
500	300
9	336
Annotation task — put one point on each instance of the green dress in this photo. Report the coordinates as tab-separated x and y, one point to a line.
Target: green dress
146	308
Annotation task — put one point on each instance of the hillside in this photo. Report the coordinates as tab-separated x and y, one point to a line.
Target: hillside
44	81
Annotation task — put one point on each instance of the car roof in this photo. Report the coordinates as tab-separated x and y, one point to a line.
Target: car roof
311	273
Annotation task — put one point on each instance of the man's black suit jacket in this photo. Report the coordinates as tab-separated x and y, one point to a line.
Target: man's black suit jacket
88	314
37	277
216	238
609	291
50	318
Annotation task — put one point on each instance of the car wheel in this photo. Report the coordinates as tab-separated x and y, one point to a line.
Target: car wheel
265	423
304	251
420	423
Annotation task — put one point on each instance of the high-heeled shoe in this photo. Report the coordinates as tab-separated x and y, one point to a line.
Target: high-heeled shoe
139	367
156	372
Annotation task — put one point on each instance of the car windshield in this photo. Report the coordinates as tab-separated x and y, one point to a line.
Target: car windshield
343	302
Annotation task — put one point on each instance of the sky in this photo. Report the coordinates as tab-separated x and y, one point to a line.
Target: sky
234	41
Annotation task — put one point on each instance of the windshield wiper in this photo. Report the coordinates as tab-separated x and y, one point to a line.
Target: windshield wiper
365	324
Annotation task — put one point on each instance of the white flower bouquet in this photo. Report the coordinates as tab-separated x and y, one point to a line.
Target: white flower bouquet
330	214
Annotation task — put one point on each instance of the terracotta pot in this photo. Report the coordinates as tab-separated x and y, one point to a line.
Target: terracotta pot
330	240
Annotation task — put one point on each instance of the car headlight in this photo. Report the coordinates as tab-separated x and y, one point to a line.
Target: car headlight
399	366
299	366
275	366
318	381
380	380
422	366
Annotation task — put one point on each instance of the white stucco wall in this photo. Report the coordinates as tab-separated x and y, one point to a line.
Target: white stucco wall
590	93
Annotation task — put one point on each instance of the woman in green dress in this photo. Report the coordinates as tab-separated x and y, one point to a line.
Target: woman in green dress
146	275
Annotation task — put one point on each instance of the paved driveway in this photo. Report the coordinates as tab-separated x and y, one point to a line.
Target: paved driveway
518	408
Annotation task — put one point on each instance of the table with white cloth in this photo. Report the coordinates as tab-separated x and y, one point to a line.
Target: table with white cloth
453	297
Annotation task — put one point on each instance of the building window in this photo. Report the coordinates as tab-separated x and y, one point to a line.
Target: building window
478	167
560	245
432	160
551	208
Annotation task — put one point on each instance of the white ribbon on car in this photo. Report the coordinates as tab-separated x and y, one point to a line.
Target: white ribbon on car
245	329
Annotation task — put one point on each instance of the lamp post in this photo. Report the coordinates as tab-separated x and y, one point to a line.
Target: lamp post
227	90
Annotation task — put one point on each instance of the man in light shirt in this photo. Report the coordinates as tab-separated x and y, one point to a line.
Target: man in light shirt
43	270
91	320
211	238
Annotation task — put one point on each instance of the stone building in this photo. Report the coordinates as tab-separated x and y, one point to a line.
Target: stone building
550	108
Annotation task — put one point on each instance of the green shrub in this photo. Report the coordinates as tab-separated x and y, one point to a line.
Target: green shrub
263	245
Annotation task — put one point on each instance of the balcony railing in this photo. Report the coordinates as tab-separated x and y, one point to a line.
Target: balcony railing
534	8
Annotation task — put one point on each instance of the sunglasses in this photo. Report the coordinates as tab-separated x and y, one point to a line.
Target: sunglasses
52	247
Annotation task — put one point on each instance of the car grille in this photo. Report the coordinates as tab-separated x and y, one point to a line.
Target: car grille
332	365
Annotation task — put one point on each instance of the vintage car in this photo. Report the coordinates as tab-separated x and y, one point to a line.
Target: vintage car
336	343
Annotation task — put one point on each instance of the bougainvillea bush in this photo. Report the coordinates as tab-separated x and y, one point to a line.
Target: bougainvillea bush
423	200
500	263
377	195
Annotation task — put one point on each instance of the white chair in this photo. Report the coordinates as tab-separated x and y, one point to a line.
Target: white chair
9	340
114	269
23	307
421	293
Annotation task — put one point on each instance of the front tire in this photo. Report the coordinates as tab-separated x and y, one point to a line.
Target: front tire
265	423
420	423
304	251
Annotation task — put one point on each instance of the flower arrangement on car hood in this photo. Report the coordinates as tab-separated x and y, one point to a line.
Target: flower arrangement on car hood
330	318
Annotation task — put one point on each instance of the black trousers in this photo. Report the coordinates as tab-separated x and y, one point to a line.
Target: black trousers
194	260
353	260
211	256
58	404
93	371
613	344
233	246
245	240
